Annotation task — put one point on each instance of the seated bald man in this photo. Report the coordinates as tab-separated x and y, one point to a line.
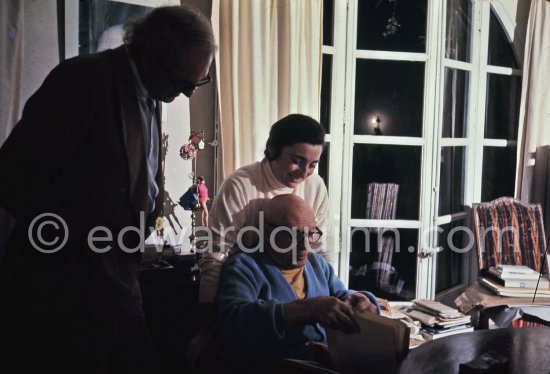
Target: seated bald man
276	302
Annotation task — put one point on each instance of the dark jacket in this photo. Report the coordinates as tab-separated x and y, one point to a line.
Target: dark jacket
78	152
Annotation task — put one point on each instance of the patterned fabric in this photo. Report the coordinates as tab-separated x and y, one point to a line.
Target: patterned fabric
527	321
509	232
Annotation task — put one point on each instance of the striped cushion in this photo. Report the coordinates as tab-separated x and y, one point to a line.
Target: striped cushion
509	232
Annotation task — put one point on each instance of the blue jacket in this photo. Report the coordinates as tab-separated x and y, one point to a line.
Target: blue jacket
251	321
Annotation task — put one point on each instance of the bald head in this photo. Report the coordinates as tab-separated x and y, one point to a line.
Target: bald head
289	210
288	223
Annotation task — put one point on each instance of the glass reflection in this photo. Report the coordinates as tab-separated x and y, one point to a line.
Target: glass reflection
390	25
384	261
455	242
500	51
328	22
499	172
387	164
326	92
393	91
323	164
451	180
458	36
502	111
455	103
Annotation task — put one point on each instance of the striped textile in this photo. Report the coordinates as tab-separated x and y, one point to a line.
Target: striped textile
509	231
527	321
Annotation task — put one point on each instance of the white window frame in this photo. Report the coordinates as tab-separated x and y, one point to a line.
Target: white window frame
342	137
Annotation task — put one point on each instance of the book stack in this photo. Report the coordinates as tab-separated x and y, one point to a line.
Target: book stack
515	281
437	320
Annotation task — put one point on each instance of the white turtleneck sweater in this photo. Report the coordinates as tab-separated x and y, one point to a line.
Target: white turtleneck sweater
241	197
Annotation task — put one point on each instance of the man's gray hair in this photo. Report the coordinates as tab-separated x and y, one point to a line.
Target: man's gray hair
170	30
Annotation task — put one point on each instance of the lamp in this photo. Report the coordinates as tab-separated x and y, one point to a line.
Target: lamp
376	122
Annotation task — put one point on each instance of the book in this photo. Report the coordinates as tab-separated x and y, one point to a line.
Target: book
512	291
432	336
515	269
378	348
543	283
512	275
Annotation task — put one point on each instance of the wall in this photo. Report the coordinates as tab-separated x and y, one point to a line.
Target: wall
29	29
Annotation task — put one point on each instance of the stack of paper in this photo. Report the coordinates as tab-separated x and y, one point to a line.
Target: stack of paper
437	320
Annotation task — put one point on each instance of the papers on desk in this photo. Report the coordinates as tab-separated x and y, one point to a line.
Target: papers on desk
437	320
378	348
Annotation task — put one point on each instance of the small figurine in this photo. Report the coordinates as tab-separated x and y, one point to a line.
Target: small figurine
203	198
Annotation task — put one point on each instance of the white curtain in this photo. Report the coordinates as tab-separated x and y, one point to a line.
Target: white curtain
269	65
535	110
11	67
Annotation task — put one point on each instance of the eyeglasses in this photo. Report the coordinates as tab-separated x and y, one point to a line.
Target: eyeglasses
288	234
185	86
190	86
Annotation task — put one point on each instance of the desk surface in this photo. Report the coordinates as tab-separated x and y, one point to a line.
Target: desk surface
526	348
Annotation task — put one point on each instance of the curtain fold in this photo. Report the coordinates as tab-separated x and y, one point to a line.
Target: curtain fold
535	106
269	66
11	94
11	68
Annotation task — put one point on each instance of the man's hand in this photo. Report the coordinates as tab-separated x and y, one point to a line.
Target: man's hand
359	303
326	310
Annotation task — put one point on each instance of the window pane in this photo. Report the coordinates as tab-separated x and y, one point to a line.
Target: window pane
392	25
451	180
326	92
455	105
328	22
502	112
384	262
500	48
457	43
386	164
323	164
97	16
455	241
393	91
499	172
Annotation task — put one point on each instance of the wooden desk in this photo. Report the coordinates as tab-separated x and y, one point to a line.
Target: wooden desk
528	351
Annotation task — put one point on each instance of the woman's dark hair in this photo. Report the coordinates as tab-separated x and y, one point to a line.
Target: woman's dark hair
172	29
200	178
294	128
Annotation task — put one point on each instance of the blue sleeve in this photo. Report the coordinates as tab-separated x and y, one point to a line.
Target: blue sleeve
247	326
337	288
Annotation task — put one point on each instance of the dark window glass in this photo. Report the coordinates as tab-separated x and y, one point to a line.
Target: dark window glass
455	103
458	36
326	92
451	180
328	22
500	51
499	172
502	111
388	25
384	262
392	91
323	163
387	164
455	242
